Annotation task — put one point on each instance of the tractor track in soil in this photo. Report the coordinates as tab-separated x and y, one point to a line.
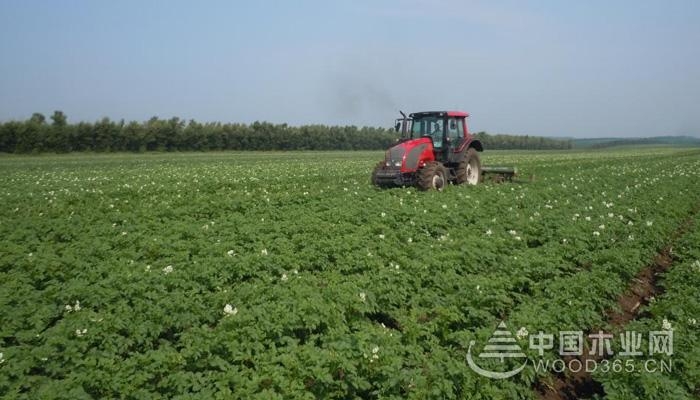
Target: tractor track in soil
643	287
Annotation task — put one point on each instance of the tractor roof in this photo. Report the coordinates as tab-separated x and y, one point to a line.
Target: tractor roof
440	114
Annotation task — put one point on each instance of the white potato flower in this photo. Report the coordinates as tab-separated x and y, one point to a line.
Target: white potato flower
666	325
522	333
230	310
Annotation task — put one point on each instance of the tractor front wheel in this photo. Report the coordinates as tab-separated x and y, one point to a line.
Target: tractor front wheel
374	173
432	176
469	169
376	169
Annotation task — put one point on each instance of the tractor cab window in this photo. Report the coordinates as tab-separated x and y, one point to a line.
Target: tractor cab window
429	126
436	133
455	129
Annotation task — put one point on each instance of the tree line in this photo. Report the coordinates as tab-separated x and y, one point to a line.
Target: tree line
37	135
522	142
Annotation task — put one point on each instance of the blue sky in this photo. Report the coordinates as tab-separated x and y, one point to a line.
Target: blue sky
553	68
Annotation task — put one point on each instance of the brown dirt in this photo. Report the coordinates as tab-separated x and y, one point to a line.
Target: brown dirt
574	385
641	289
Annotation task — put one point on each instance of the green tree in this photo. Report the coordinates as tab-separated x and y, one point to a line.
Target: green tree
58	135
8	136
59	119
38	118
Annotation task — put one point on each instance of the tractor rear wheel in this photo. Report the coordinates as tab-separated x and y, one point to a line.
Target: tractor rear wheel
432	176
469	169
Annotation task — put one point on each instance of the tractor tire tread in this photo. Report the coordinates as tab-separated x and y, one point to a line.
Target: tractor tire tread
461	170
424	178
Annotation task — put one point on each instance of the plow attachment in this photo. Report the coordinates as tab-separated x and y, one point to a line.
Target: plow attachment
499	173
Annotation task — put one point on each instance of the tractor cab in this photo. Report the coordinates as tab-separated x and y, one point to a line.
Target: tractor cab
447	131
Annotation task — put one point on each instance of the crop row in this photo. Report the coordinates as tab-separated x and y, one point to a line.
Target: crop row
290	276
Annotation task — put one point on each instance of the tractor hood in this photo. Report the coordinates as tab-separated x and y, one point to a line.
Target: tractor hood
410	154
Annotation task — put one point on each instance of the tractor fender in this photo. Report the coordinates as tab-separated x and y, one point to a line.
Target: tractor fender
475	143
461	152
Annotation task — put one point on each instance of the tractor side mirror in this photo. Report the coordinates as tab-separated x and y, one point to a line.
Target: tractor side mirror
397	126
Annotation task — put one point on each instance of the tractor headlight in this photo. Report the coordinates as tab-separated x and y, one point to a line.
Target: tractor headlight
397	163
388	164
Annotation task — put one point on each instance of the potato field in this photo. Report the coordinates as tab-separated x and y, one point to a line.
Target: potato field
287	275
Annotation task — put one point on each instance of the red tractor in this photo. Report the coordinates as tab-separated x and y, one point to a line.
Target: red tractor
435	148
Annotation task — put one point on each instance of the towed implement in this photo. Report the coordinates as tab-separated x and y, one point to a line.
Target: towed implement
435	149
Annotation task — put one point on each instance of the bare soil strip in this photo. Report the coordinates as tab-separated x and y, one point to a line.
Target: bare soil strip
641	289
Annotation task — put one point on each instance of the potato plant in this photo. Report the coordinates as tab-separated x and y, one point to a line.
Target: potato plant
287	275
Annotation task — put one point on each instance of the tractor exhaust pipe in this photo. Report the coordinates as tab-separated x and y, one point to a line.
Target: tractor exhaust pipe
404	124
